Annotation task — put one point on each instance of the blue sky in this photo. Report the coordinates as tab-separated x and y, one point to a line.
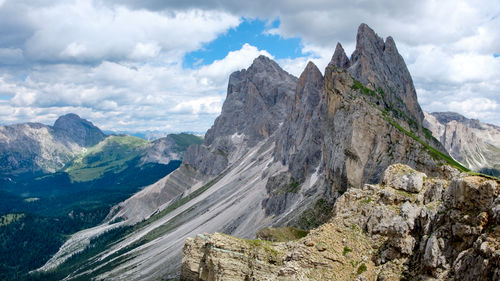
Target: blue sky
250	31
163	65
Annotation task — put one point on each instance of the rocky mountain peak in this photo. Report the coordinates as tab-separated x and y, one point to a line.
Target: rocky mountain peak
367	41
256	103
79	130
473	143
379	65
311	72
445	117
339	58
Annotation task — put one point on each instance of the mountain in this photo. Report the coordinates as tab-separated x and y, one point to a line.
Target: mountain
281	153
38	148
475	144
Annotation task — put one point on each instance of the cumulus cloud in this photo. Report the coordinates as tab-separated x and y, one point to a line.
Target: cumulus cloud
87	31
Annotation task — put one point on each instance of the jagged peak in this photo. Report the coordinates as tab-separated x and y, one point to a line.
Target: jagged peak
379	63
367	39
390	45
339	58
263	60
311	68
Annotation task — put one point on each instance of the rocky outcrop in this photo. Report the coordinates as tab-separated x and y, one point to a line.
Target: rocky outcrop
475	144
361	140
445	229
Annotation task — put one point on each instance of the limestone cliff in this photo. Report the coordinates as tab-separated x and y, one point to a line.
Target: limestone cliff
409	226
473	143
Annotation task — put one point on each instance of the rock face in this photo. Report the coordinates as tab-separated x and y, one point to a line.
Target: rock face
475	144
378	63
34	147
447	230
299	144
78	130
361	139
282	147
256	103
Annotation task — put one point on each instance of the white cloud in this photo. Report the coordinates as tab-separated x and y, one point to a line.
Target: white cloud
91	31
126	96
220	70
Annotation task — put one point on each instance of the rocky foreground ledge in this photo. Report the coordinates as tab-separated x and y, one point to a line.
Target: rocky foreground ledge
408	226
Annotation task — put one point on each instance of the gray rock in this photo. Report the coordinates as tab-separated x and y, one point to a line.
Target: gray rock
378	63
434	190
300	140
205	161
257	102
38	148
339	58
410	212
404	178
78	130
476	145
433	256
471	193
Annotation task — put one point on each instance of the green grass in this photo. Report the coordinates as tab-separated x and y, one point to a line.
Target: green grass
315	215
427	133
110	155
472	173
293	187
362	268
366	201
436	154
281	234
184	140
364	90
346	250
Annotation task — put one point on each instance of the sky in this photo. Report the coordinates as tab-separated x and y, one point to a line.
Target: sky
157	65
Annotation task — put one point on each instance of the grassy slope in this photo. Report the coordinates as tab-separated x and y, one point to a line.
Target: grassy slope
110	155
184	140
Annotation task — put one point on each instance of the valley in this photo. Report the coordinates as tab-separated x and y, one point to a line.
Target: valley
41	208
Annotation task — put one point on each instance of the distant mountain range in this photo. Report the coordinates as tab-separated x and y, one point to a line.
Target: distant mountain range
149	135
473	143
